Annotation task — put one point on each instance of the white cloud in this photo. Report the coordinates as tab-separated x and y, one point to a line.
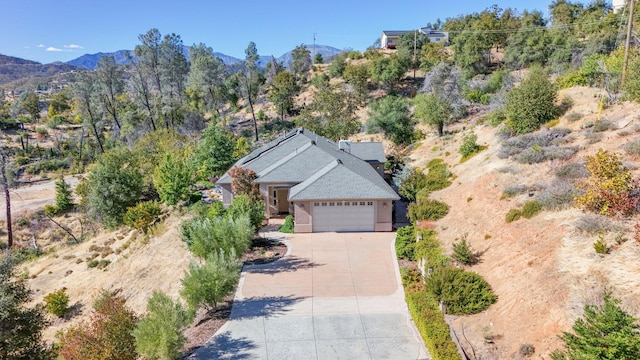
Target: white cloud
51	48
74	46
40	45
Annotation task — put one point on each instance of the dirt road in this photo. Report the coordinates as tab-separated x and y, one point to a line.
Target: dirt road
33	197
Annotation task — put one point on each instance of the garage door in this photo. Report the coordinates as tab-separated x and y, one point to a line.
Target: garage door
343	216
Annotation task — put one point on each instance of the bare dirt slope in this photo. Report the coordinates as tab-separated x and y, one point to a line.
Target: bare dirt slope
542	269
138	265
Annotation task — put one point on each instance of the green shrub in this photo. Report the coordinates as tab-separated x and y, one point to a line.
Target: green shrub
463	292
405	242
573	116
194	197
159	334
495	118
600	247
320	80
531	209
51	210
288	225
142	215
427	209
210	283
206	237
431	325
477	96
64	199
462	253
513	215
215	210
354	55
57	302
242	205
412	184
532	103
429	248
438	175
469	146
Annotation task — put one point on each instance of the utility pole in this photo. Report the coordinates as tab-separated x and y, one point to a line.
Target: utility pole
415	40
314	48
627	43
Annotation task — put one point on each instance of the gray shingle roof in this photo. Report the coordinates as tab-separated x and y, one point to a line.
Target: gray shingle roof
368	151
336	181
311	161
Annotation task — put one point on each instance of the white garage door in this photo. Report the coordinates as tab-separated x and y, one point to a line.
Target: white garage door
343	216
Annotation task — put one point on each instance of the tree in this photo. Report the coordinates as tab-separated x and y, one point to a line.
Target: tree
110	83
114	183
7	195
332	114
64	199
300	61
210	283
432	54
282	90
532	103
358	77
20	327
107	335
29	103
214	154
250	80
85	93
605	332
206	75
243	183
391	115
242	205
462	252
434	111
388	71
318	59
173	178
159	334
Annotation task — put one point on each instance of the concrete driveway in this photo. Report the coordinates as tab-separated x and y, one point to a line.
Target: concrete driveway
333	296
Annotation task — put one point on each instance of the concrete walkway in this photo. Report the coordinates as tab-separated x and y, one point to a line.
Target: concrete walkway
333	296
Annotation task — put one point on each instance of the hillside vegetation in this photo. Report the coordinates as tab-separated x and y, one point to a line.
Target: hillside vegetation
515	146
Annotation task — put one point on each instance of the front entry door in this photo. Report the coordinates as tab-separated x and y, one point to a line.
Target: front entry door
282	196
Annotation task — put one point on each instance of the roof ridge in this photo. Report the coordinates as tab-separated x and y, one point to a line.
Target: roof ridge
313	178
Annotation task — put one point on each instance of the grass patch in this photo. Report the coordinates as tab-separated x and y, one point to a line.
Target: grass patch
513	215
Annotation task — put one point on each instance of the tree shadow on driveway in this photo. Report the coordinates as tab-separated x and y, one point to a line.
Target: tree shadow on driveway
225	346
286	264
262	306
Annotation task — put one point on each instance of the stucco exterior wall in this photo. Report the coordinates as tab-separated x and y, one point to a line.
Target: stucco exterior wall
302	217
227	195
384	215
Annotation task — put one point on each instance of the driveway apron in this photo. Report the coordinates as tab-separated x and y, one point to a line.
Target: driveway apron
333	296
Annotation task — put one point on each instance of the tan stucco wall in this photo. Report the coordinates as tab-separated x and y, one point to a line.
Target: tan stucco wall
227	195
384	215
302	217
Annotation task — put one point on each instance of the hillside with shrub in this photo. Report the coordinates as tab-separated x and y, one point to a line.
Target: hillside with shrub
515	147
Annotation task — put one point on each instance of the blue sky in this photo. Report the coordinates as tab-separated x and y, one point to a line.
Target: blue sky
49	30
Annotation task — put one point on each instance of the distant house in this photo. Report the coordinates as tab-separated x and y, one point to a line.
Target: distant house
327	186
390	38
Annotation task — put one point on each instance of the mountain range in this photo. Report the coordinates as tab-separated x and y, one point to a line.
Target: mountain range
23	74
90	61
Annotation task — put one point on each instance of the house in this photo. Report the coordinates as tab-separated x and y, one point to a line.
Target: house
389	39
324	185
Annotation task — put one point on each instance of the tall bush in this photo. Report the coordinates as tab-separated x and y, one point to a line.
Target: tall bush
206	237
159	334
531	104
207	285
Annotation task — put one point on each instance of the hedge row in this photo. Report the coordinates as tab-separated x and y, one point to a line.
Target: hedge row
431	325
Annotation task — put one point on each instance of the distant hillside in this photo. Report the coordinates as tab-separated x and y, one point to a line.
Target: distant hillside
12	68
90	61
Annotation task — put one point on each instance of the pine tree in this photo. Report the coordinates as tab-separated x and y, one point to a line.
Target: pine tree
64	200
20	327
